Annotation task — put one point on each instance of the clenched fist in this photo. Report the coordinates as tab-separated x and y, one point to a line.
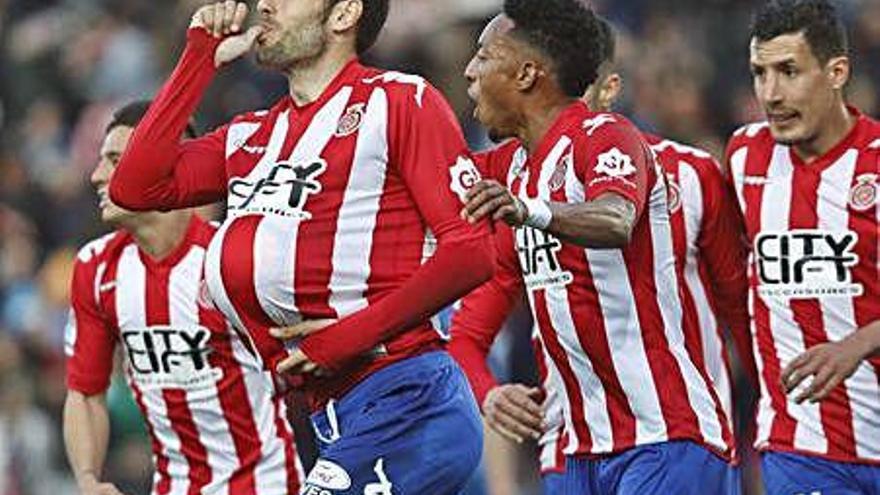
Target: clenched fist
225	20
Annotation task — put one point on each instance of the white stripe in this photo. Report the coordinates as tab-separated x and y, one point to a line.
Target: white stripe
698	395
275	246
788	338
712	343
131	313
838	315
554	416
353	242
738	170
273	149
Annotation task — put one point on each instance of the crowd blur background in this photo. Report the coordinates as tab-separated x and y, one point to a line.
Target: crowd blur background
65	64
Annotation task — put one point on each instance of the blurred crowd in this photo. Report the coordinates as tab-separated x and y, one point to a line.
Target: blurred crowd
65	64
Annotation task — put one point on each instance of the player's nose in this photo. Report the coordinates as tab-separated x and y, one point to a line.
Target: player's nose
101	174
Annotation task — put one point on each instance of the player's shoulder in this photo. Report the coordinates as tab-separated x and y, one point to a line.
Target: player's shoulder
588	126
503	160
401	87
671	154
871	140
756	134
102	248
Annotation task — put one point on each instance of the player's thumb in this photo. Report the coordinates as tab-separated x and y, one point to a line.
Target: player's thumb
234	47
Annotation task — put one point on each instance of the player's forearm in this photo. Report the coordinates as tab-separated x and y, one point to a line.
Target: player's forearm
144	178
867	339
454	270
606	223
86	435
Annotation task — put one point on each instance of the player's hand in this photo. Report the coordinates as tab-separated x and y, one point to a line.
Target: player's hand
226	20
94	487
300	330
297	363
828	364
514	411
489	198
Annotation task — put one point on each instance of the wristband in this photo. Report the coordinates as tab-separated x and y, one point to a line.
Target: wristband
538	214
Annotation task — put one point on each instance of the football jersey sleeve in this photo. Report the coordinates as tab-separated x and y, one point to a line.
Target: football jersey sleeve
88	341
427	149
724	249
612	157
157	170
482	314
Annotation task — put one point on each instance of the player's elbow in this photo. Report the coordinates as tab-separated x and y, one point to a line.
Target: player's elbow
481	260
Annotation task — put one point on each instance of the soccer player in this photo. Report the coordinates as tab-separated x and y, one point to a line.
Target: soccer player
216	424
329	195
592	238
806	181
707	244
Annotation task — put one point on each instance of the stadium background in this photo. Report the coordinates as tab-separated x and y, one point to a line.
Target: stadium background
65	64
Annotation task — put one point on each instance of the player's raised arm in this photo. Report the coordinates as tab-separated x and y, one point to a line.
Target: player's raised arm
158	171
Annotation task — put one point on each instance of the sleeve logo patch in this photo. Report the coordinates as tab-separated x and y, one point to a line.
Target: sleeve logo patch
464	175
615	164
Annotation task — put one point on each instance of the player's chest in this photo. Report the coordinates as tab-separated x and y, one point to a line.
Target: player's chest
298	167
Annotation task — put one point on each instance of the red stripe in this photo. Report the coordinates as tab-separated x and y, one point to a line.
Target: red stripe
572	387
236	271
286	436
681	420
561	441
237	411
157	309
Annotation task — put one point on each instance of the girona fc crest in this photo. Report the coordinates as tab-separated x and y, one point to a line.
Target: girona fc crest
863	195
351	120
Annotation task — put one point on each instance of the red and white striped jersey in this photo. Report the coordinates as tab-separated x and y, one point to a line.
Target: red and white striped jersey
217	426
623	370
813	231
707	241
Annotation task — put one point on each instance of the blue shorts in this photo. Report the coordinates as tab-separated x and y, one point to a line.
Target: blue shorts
680	468
789	474
412	427
552	482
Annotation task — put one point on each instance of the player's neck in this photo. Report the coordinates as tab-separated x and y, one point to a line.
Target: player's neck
837	126
538	118
309	79
158	234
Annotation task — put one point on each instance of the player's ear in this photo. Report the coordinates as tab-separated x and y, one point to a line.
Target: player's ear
528	74
611	89
345	15
838	70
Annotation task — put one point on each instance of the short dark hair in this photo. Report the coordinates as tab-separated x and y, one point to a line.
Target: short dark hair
130	115
609	41
373	18
567	32
817	19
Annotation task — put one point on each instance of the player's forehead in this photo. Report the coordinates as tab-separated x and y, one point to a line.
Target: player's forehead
495	32
790	47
